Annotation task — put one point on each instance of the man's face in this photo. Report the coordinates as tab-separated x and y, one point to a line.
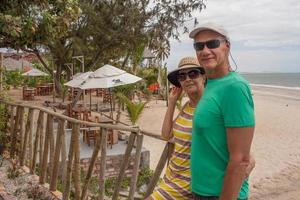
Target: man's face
214	55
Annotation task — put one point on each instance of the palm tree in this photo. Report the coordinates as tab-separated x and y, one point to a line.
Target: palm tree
134	109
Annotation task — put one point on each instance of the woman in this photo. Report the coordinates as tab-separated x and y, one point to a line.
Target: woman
189	77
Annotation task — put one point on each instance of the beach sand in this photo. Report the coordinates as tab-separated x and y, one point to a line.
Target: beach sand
276	144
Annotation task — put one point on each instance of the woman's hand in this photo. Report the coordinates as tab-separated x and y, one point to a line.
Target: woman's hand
174	95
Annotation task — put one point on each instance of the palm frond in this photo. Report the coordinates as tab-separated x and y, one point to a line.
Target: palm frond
134	109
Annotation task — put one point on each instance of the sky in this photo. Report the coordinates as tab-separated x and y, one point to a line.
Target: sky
264	34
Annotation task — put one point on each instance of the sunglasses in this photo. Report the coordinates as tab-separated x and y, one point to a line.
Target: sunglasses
192	74
211	44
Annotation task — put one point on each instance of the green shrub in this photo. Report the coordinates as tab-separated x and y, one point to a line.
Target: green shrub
145	176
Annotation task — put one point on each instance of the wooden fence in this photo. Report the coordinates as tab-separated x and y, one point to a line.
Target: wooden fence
31	146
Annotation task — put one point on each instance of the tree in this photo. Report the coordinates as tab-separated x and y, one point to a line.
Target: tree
38	27
106	31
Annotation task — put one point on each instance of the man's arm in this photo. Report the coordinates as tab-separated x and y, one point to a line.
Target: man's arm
239	143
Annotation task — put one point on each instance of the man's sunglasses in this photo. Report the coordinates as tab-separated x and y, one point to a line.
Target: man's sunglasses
192	74
211	44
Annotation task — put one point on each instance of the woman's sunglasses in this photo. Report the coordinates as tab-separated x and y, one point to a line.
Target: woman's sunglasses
211	44
192	74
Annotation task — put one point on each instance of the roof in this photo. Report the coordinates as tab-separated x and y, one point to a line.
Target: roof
11	64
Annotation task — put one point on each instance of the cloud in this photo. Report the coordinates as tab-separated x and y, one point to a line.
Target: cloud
266	31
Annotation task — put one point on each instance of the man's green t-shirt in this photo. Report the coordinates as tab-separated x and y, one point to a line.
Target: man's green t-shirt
226	102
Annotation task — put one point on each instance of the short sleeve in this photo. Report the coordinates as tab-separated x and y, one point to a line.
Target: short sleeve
237	106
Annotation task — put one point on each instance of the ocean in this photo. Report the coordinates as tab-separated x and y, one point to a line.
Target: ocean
274	80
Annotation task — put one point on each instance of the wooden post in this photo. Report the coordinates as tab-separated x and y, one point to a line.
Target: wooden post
124	165
67	185
11	120
77	183
136	166
44	164
22	131
59	135
14	133
63	159
102	164
1	71
30	136
160	166
51	145
26	137
39	129
91	166
42	141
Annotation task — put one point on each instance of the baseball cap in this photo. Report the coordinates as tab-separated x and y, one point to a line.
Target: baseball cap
210	27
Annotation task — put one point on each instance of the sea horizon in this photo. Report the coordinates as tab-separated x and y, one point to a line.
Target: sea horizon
281	80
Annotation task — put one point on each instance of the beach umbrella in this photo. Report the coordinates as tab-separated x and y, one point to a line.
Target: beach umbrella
108	76
77	79
35	72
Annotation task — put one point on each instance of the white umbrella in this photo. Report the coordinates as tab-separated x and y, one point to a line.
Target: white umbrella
34	72
107	77
78	79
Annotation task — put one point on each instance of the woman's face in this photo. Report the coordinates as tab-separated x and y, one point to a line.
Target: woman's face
191	80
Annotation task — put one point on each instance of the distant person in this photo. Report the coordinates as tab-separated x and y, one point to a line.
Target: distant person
189	78
223	123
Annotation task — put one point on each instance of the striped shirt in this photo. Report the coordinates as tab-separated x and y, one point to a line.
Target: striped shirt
176	181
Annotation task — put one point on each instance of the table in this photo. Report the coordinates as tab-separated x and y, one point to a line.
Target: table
80	112
29	93
112	135
43	90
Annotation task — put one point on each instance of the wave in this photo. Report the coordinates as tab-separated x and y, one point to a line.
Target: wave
275	86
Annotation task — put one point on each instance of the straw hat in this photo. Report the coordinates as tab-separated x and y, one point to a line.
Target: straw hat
185	63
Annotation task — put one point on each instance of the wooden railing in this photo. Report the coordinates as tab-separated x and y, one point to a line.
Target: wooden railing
41	146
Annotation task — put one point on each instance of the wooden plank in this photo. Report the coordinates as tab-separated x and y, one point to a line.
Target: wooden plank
14	132
159	168
102	164
124	165
30	136
44	164
50	137
26	137
76	175
63	159
22	131
91	166
11	120
39	129
42	140
136	166
67	185
60	133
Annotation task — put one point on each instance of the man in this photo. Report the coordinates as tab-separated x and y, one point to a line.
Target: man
223	123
